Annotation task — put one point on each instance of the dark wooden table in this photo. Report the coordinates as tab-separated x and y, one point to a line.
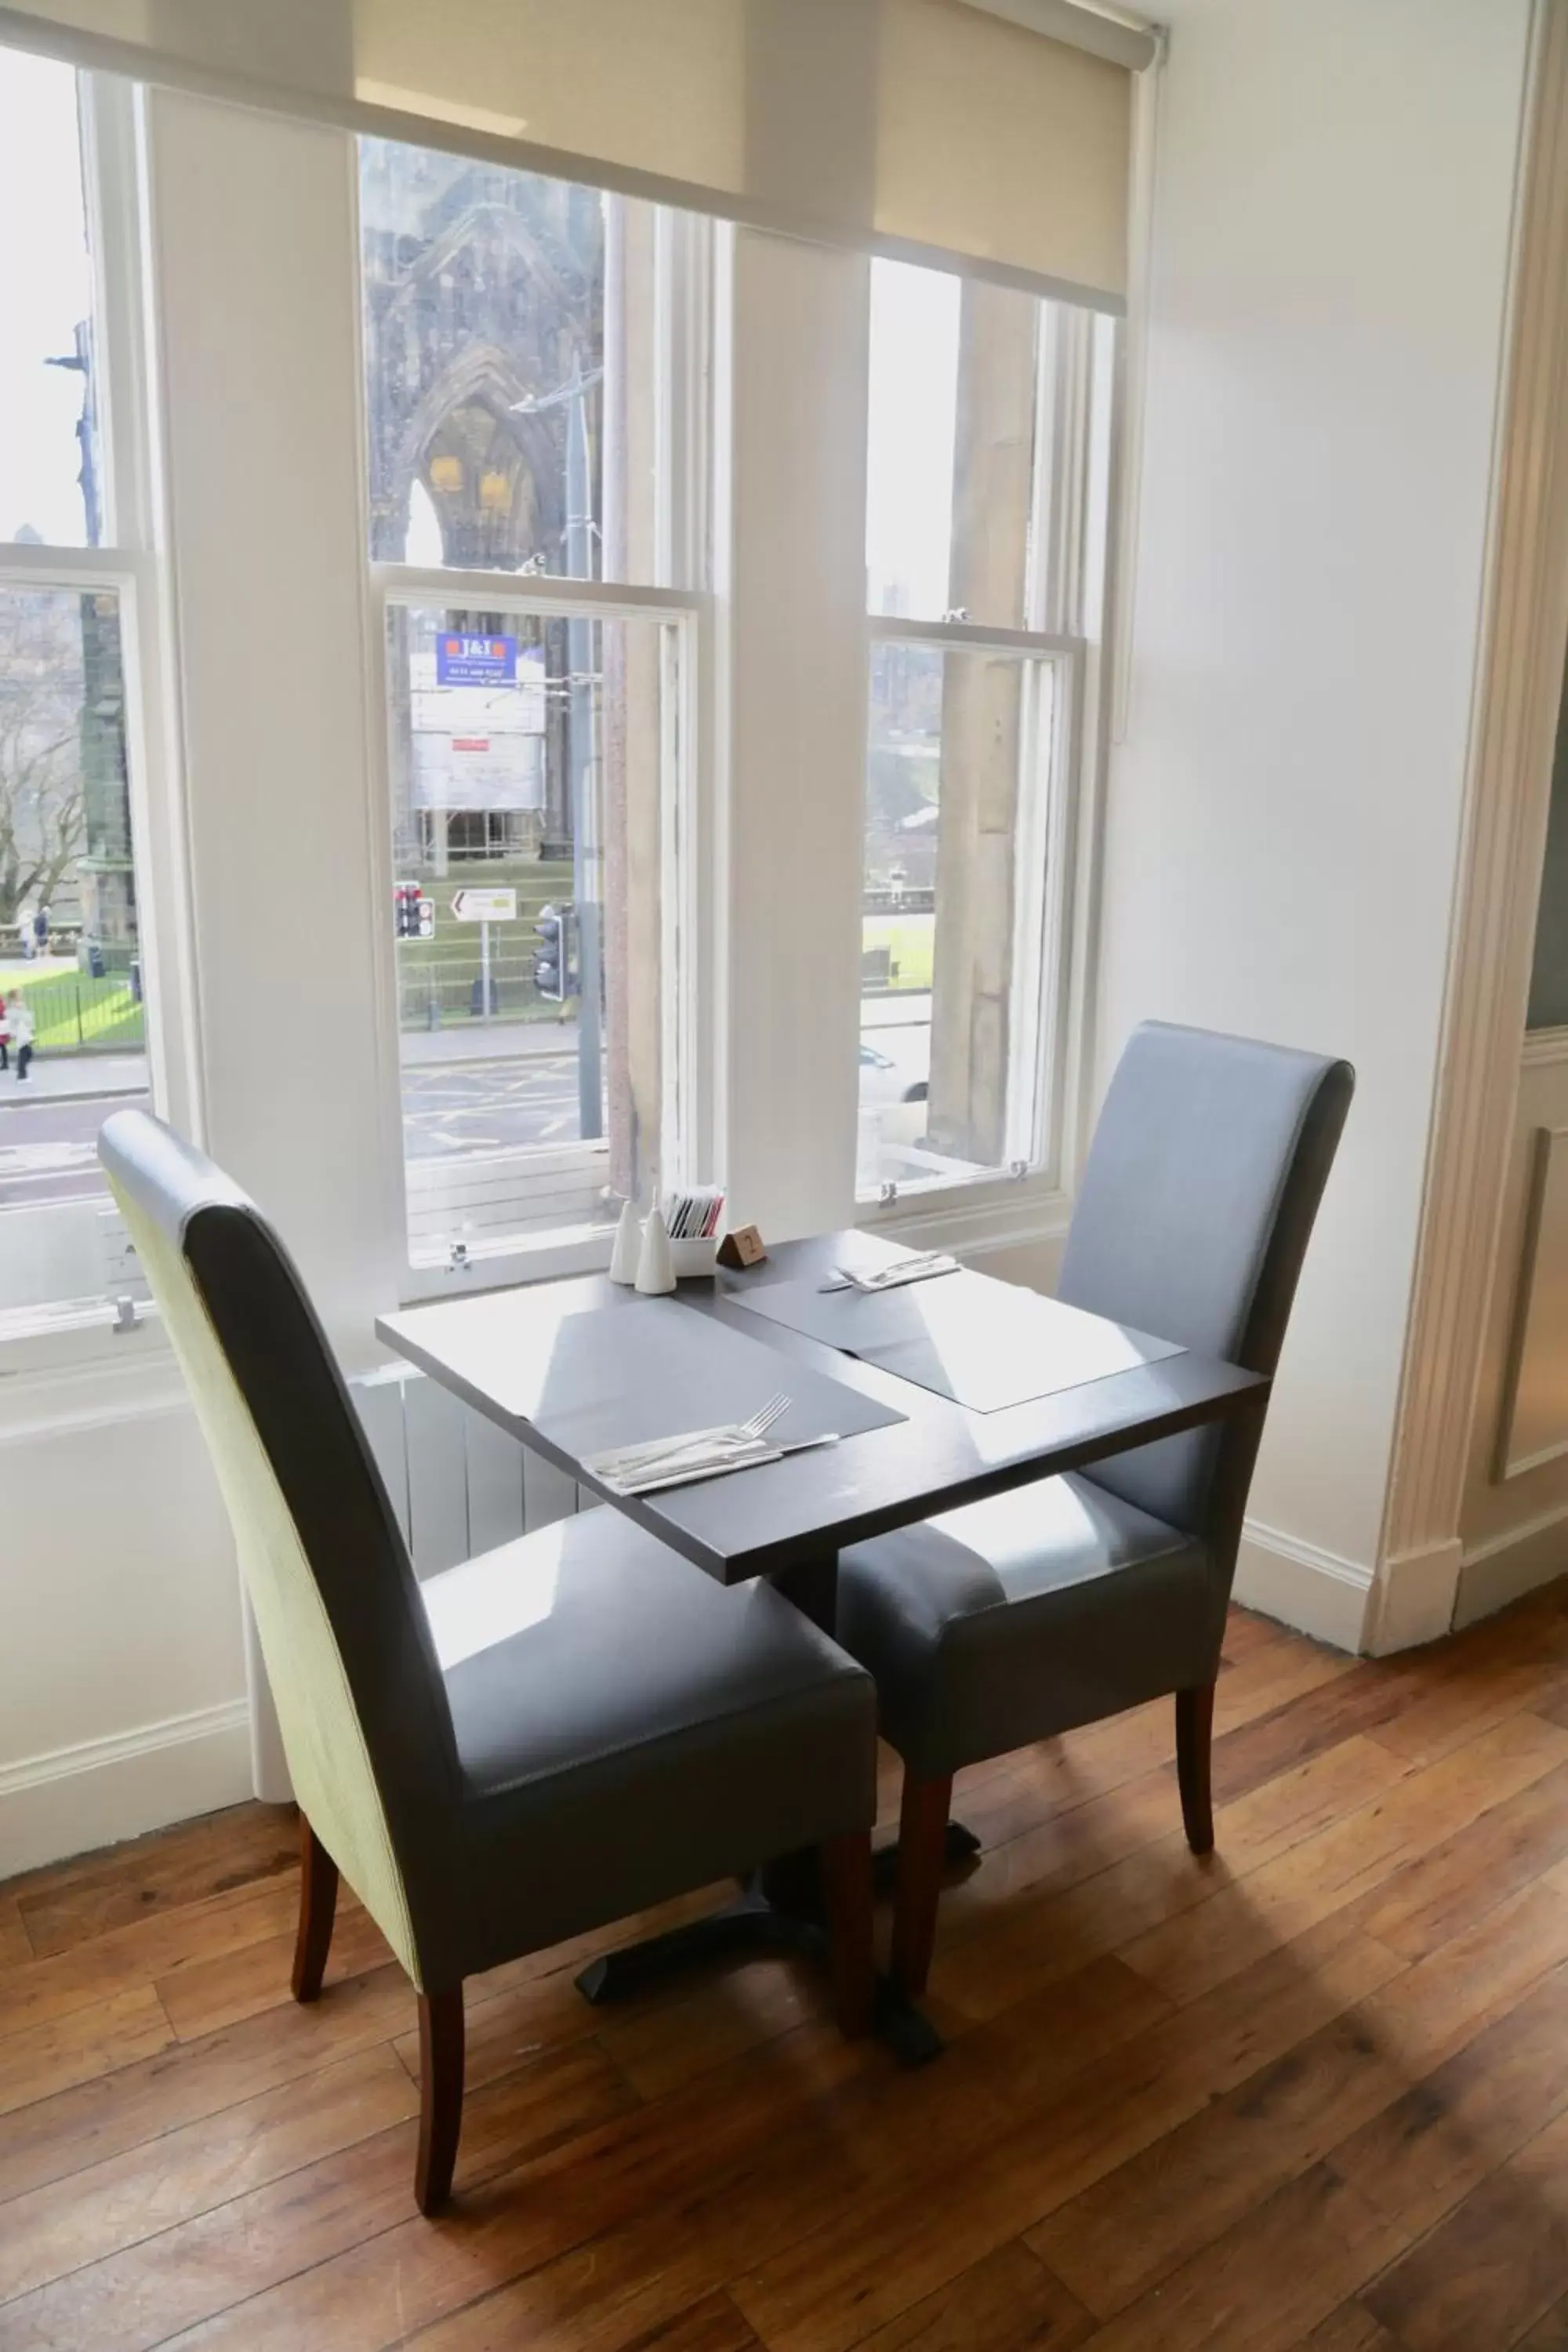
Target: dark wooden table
506	1354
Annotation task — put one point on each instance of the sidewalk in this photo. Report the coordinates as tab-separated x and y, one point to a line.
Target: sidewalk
75	1078
486	1041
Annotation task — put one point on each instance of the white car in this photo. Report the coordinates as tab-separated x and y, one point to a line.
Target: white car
895	1066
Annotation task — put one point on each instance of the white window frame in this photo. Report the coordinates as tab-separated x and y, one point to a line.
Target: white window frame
1078	436
1041	946
83	1333
686	614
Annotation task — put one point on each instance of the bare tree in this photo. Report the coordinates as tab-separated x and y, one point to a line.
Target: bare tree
43	815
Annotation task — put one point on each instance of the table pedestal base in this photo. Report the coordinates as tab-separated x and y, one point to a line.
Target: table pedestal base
780	1911
961	1845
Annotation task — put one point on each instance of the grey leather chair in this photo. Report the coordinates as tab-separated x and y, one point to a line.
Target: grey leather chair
1009	1621
541	1741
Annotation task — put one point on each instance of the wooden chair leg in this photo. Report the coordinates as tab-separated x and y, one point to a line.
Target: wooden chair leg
1195	1730
846	1885
922	1853
318	1907
440	2096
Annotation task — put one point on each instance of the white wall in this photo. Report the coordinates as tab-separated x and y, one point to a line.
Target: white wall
122	1677
123	1681
1333	191
267	531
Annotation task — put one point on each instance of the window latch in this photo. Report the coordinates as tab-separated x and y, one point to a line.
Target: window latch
889	1194
124	1316
1018	1170
458	1257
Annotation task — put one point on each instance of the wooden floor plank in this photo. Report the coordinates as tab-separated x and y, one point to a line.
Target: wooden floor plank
1493	2266
227	1987
86	2043
998	1942
882	2251
1351	2328
15	1944
152	2187
1492	1857
1246	1633
1354	1854
160	1873
137	2299
1174	2198
1250	1753
1452	2126
1309	2096
660	2045
593	2246
141	2099
1007	2302
166	1945
1278	2273
1550	2333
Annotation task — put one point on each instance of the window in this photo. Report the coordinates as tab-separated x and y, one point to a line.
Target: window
521	421
73	1043
981	565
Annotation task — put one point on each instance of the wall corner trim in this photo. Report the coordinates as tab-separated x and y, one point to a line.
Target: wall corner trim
1523	624
1413	1597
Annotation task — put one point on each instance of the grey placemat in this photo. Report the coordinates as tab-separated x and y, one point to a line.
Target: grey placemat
984	1343
621	1375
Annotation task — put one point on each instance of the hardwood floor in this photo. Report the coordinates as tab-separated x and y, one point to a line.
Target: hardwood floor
1309	2093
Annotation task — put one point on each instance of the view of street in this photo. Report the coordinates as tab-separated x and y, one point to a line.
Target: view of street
455	1098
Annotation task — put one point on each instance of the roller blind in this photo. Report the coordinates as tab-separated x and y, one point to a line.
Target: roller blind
956	128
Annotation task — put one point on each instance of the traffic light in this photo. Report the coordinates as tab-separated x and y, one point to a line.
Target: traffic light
406	922
555	957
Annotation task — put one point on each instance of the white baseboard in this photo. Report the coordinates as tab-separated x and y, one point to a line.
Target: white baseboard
1505	1567
78	1797
1315	1591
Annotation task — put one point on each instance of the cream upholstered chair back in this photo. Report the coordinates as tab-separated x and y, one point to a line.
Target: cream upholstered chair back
359	1695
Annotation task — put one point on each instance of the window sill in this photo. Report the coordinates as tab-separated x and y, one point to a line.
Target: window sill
571	1250
971	1220
76	1369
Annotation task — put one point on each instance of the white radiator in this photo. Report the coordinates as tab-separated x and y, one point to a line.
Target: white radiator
458	1484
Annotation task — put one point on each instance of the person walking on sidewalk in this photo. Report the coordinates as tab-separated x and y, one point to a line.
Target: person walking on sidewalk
21	1022
5	1036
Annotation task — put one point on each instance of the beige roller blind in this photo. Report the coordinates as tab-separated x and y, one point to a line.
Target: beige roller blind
993	131
1002	144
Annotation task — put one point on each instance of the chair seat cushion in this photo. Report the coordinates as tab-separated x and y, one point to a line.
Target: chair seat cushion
1009	1619
628	1728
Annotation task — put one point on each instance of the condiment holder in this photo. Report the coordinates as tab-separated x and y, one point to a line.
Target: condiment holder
677	1242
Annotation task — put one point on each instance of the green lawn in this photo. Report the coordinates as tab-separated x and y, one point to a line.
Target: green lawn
72	1012
909	940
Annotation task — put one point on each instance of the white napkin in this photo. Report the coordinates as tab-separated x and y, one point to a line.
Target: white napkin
893	1277
681	1461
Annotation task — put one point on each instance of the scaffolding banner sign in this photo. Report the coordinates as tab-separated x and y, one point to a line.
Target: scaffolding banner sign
479	717
476	661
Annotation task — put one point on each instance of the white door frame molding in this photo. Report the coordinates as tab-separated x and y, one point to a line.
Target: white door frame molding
1524	627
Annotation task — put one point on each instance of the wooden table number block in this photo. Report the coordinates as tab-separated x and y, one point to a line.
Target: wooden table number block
742	1248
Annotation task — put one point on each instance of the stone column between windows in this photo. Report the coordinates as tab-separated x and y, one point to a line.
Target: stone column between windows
982	705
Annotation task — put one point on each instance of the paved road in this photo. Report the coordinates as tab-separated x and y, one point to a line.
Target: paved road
479	1105
47	1149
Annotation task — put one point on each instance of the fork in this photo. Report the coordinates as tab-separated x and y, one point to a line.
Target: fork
759	1422
673	1449
751	1431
